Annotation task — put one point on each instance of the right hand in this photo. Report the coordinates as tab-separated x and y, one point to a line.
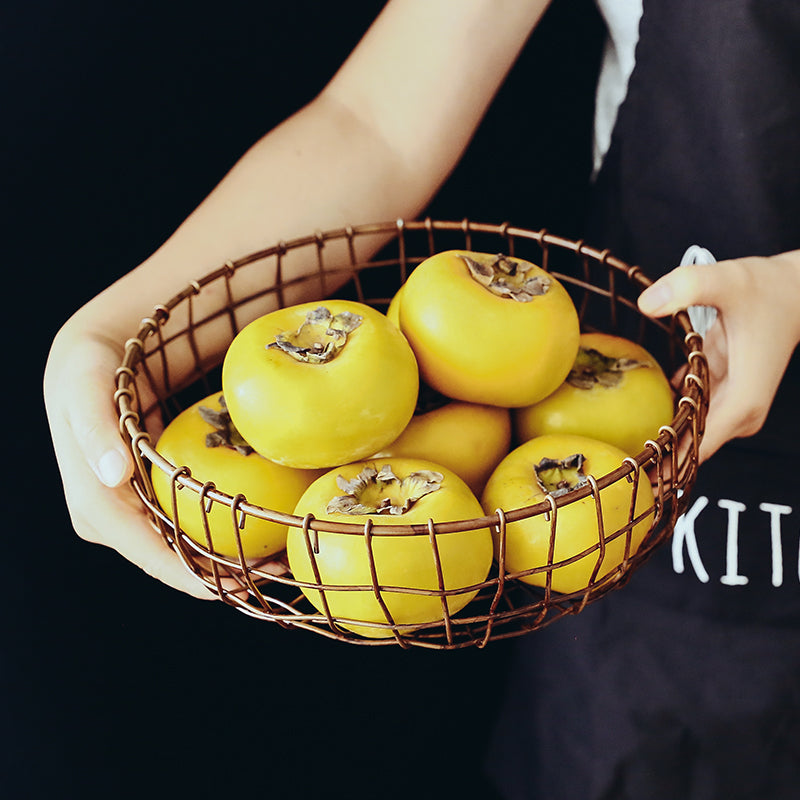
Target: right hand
95	463
750	345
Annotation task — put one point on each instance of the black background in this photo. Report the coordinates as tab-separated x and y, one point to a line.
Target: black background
117	120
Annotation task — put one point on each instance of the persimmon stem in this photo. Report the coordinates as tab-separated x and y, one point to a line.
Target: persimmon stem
382	492
320	338
506	276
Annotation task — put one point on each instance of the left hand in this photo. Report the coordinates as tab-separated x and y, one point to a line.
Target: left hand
752	341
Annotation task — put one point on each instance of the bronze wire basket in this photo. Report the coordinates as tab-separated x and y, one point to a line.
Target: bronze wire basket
604	290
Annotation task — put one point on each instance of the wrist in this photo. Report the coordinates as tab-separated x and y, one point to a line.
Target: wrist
789	278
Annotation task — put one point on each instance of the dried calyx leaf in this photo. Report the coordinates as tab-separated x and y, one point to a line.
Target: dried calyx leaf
559	476
382	492
224	433
591	367
320	338
507	276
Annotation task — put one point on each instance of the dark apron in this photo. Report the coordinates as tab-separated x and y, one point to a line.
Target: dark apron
686	683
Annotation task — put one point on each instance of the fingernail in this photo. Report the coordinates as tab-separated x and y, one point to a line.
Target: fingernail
111	468
655	297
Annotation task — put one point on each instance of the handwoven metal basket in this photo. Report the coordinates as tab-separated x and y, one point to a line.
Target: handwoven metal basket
175	356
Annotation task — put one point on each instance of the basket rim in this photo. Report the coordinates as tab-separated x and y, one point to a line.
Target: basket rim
507	605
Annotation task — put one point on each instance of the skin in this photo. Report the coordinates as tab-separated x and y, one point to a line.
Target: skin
375	144
347	156
750	345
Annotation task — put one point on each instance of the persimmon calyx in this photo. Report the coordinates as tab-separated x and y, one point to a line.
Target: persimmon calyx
507	276
320	338
592	367
382	492
224	433
558	476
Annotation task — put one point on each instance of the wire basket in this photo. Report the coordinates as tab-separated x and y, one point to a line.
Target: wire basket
175	357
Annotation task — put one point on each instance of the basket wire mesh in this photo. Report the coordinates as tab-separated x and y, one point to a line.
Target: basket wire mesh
175	356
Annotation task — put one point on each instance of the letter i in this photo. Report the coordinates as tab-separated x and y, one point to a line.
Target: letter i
775	512
732	576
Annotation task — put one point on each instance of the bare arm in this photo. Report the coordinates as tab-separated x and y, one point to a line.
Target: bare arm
374	145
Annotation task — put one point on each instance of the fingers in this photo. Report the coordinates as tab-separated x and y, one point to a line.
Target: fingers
78	396
95	465
751	344
744	375
94	427
686	286
736	410
115	518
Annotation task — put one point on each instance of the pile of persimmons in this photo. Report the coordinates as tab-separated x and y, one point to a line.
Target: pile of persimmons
475	392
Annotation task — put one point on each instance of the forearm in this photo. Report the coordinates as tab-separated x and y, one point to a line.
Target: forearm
375	145
791	261
320	169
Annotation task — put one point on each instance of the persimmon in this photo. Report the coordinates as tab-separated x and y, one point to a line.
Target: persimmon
487	329
203	439
616	391
588	545
389	492
320	384
469	438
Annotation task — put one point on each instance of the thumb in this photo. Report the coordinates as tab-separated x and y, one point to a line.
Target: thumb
691	285
104	451
83	400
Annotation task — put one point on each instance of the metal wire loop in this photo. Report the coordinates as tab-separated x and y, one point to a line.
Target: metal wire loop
505	604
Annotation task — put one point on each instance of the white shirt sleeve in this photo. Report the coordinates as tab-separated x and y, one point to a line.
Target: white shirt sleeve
622	20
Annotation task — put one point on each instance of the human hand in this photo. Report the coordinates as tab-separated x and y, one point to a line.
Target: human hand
749	347
94	462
